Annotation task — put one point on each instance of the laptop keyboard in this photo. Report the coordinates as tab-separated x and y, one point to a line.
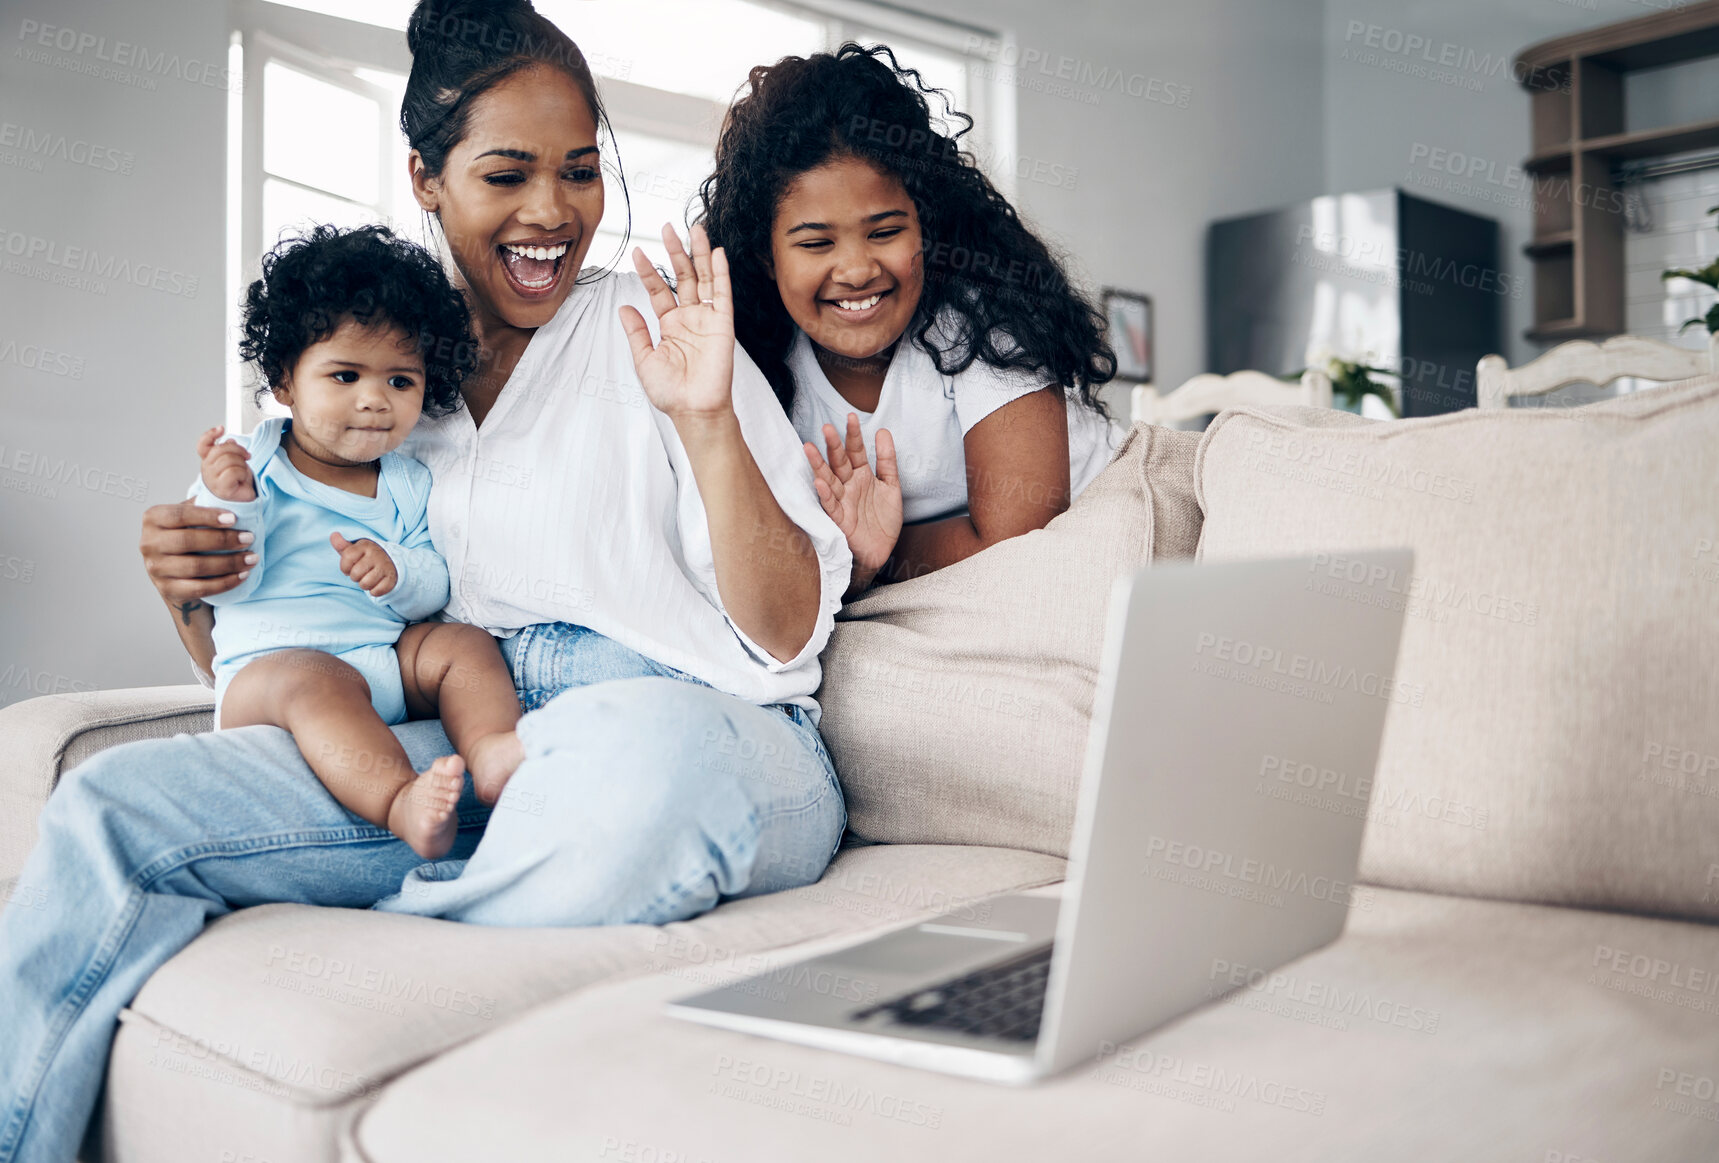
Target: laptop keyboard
1005	1000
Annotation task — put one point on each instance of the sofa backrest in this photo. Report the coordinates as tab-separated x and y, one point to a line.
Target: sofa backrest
1561	649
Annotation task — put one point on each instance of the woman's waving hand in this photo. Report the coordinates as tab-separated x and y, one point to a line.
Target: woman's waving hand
690	369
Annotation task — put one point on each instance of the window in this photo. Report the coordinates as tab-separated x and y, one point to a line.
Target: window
325	150
316	132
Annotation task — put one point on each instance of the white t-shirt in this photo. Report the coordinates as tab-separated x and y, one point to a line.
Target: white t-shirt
575	502
928	415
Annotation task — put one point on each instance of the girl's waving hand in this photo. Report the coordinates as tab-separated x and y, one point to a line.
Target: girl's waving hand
864	504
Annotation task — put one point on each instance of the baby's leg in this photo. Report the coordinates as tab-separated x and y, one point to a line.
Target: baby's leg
456	670
325	703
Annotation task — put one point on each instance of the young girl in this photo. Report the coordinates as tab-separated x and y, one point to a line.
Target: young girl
881	280
358	332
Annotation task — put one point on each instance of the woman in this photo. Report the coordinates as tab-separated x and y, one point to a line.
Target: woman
881	280
621	498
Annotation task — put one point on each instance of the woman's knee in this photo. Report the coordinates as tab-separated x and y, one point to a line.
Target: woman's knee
631	752
652	721
628	791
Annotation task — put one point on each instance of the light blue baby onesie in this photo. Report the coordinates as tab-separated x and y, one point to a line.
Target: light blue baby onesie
296	596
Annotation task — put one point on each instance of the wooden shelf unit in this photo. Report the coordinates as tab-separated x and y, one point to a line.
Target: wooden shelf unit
1576	87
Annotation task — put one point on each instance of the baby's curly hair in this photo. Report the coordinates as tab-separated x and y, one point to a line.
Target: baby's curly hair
314	281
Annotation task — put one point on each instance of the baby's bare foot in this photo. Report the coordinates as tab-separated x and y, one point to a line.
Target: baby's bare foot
423	812
492	760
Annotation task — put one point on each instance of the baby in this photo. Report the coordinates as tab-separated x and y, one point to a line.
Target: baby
323	636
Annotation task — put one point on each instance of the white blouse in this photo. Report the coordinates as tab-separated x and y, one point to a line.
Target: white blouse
575	502
929	414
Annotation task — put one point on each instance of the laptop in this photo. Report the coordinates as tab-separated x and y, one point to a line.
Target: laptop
1235	730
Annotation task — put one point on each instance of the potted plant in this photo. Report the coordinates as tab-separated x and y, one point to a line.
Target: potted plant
1352	382
1707	276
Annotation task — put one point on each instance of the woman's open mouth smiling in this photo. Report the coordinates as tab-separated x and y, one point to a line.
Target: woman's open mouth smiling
533	269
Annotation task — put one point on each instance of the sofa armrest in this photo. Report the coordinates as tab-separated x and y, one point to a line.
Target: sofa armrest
47	736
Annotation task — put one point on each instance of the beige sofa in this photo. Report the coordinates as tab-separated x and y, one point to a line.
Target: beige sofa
1531	974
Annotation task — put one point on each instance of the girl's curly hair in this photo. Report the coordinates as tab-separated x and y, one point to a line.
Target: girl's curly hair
1007	295
313	282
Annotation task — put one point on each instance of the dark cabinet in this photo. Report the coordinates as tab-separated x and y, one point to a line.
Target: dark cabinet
1382	277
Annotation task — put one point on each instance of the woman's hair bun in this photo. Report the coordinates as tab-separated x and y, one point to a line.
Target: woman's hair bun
440	24
462	48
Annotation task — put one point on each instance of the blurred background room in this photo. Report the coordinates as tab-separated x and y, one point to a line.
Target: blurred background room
1383	191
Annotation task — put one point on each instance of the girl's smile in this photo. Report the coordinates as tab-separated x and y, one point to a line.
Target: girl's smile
857	309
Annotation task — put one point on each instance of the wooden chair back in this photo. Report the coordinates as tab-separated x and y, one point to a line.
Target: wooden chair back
1206	394
1580	361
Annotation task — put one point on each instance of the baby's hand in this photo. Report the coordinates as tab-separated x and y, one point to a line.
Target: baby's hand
226	467
366	563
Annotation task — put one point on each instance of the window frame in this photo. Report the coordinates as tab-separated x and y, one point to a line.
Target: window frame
323	47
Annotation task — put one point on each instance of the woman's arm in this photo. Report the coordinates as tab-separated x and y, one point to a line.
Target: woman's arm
767	575
191	552
195	623
766	568
1017	480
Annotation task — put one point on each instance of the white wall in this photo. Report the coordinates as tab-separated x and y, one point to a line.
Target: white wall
1150	174
1390	104
1680	233
111	356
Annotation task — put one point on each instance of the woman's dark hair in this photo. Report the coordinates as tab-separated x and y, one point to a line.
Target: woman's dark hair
463	48
314	282
1007	295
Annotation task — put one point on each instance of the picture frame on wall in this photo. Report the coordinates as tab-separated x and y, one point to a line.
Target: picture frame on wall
1128	326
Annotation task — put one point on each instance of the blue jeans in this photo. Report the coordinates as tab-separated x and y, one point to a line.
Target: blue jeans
645	796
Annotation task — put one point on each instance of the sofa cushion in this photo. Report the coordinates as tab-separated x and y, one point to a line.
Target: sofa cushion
1554	734
956	704
265	1034
1434	1028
